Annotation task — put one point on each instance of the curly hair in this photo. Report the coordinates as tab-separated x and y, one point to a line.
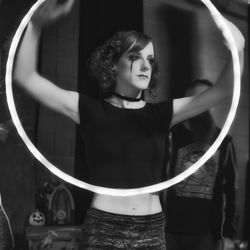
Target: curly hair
101	62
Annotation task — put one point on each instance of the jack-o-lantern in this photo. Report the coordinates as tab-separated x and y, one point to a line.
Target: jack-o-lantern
37	218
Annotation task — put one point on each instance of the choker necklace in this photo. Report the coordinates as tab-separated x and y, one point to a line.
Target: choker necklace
126	98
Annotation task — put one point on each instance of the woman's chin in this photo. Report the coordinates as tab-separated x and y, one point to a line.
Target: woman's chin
142	86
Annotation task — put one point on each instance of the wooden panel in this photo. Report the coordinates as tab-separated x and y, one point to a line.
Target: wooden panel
59	237
59	58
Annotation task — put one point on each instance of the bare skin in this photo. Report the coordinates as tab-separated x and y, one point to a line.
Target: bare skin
128	83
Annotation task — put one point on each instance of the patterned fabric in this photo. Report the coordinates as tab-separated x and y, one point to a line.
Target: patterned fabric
103	230
205	202
201	183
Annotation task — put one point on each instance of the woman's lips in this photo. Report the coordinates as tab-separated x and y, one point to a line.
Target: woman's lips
143	76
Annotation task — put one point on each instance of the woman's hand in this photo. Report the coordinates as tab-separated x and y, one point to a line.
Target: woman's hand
25	71
50	11
236	33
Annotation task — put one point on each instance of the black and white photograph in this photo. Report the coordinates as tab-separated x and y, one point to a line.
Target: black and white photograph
124	125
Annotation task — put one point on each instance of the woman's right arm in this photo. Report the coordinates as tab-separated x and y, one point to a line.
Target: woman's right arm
27	76
188	107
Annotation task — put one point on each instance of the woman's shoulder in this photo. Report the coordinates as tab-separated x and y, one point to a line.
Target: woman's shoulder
162	110
164	104
85	99
88	103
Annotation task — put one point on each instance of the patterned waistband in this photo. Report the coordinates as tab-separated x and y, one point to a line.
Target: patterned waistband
104	230
157	219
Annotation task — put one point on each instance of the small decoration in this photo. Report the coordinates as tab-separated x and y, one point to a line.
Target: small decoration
73	245
61	206
43	194
47	242
37	218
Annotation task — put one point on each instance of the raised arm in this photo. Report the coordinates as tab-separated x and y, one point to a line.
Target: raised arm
188	107
25	71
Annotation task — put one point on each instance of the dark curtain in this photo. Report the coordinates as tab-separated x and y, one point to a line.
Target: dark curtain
179	24
99	19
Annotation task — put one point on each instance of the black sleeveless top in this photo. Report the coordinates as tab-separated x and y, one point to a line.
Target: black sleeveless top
125	148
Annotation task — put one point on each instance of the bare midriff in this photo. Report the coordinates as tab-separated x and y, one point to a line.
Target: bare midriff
144	204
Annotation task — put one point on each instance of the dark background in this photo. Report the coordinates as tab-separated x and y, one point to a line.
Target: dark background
182	32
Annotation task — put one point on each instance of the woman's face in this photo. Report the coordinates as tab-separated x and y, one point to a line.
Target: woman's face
134	70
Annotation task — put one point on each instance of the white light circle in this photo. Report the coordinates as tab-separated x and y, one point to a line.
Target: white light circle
220	22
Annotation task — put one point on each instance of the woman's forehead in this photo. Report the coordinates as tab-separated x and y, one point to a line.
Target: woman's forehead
147	50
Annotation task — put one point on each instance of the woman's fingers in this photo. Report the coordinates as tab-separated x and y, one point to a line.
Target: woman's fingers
68	5
52	10
59	8
237	35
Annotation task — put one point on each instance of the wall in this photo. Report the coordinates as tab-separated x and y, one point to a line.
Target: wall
207	57
167	25
19	171
16	163
59	63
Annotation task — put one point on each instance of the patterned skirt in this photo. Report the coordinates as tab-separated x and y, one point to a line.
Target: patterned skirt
103	230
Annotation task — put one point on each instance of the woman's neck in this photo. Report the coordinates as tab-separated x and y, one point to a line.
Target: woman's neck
127	99
129	92
121	103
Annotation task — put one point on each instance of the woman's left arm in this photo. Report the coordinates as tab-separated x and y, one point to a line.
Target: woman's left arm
188	107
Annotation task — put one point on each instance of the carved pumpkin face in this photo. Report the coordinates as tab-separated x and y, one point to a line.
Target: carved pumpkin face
37	219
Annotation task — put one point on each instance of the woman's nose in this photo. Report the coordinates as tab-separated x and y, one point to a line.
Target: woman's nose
145	66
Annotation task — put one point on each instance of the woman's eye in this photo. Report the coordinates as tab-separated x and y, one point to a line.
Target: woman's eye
151	60
133	57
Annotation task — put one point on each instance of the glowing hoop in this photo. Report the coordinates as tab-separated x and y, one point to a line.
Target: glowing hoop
134	191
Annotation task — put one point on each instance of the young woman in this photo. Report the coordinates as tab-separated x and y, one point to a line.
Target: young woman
124	135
